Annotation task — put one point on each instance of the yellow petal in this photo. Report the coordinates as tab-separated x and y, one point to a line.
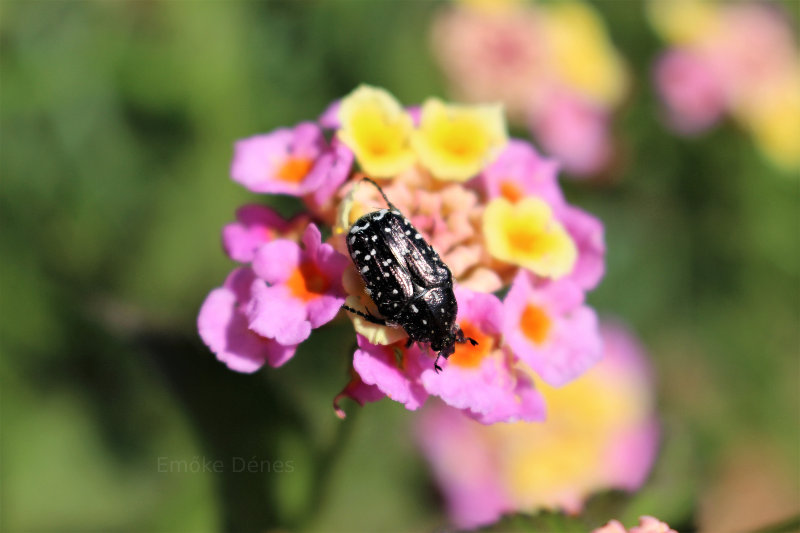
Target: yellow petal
455	142
378	131
582	55
683	22
526	234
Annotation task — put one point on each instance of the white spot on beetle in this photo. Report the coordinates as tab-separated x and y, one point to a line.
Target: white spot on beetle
417	236
386	274
368	291
379	294
408	232
352	240
396	212
380	214
414	308
425	322
367	258
387	229
356	252
356	229
394	291
365	269
373	252
374	238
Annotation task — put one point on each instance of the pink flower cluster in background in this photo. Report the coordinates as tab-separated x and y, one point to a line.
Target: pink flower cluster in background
493	210
731	58
552	65
601	434
647	524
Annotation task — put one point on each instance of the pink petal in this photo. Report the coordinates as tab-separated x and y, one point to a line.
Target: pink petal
376	365
275	261
519	163
588	234
256	158
333	169
329	119
575	132
254	226
224	328
323	309
276	315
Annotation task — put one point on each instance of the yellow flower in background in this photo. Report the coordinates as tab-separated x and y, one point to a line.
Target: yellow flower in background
683	21
492	6
526	234
455	142
378	130
582	55
774	120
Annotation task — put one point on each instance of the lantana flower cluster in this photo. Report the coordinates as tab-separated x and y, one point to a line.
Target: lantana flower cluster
491	207
551	64
602	434
731	58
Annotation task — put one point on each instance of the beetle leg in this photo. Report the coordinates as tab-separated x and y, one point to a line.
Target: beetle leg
366	316
446	352
460	338
409	342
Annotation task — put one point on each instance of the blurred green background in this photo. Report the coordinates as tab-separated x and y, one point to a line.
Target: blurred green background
117	123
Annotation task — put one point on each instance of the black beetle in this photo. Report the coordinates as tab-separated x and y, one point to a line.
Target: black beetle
410	285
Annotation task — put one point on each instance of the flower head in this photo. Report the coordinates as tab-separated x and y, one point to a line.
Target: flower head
305	288
600	433
294	161
739	58
551	64
549	328
491	210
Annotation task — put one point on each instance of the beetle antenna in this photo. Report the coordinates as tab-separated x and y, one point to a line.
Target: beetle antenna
366	316
390	204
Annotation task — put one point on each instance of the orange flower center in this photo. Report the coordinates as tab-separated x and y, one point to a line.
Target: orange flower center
467	355
511	191
535	324
523	240
294	169
308	282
